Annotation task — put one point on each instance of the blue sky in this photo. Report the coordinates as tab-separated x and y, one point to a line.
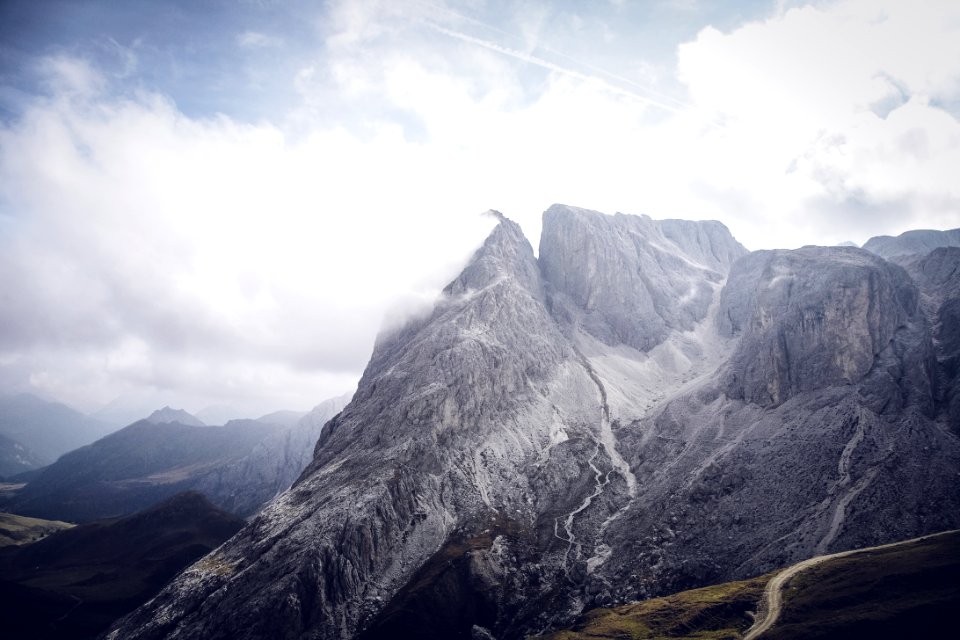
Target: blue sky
238	58
220	202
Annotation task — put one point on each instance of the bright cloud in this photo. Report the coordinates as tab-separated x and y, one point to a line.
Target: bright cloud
219	260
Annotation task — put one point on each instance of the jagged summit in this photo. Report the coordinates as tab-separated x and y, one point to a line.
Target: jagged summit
506	253
167	415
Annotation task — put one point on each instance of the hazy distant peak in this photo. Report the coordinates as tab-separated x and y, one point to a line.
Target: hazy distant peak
283	418
167	415
847	243
915	241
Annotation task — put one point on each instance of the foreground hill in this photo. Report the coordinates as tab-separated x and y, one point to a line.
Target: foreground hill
73	583
643	409
907	590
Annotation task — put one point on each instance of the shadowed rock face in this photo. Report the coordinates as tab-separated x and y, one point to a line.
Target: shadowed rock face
937	274
496	464
816	317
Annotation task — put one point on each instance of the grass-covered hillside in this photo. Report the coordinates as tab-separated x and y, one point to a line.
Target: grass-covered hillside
910	590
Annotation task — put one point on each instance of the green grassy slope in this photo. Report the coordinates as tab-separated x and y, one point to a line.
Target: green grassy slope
908	591
16	529
717	612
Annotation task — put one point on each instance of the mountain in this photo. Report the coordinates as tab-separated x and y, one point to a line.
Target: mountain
45	429
919	241
644	408
902	591
16	458
133	468
73	583
238	466
167	415
242	486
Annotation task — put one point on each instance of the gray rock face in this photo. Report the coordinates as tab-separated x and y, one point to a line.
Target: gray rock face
244	485
937	274
555	436
816	317
912	242
631	280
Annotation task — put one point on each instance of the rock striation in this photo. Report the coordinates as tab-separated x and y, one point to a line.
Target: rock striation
818	317
631	280
643	408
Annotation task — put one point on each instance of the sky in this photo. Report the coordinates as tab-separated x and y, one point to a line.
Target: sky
218	203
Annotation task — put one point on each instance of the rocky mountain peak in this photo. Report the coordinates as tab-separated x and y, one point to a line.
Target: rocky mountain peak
630	279
506	253
167	415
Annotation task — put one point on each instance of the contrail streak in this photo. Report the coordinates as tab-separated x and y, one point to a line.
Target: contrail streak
546	64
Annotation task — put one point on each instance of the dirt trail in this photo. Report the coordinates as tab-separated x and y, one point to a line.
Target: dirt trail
771	603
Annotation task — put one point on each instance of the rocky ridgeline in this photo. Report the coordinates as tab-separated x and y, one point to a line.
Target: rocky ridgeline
605	423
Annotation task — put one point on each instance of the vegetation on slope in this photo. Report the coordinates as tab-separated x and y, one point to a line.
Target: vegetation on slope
74	583
16	529
718	612
909	590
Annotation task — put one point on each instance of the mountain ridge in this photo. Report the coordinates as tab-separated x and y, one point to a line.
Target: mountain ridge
605	462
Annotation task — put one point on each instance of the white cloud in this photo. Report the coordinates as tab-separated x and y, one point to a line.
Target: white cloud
796	93
66	75
256	40
214	243
214	259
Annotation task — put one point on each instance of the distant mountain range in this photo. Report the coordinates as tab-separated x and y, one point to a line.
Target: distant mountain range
16	458
238	466
919	241
166	415
38	432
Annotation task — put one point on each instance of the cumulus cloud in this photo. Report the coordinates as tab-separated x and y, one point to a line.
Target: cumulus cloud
831	105
189	254
217	260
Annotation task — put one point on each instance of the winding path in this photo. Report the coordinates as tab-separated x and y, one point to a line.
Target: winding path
772	600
